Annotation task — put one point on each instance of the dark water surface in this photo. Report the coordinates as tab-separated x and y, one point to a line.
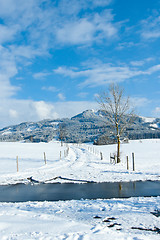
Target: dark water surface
69	191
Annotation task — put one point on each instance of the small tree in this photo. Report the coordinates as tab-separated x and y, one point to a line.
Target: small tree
62	132
117	110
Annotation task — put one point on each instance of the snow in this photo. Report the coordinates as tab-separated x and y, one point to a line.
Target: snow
54	123
82	163
148	119
6	133
154	125
30	129
82	219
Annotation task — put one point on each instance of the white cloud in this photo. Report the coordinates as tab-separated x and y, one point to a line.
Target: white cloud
41	75
73	7
99	75
8	69
76	33
44	110
66	22
137	63
153	69
50	88
102	74
24	51
151	34
87	30
28	30
151	28
6	89
7	33
31	29
14	111
41	25
61	96
157	110
71	108
139	101
101	3
141	62
71	72
27	23
82	94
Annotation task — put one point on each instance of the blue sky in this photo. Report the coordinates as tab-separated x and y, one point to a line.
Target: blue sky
56	56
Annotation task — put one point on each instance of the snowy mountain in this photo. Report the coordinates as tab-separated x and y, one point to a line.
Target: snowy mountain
87	126
42	131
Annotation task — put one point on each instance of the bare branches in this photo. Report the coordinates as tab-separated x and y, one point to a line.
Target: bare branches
117	109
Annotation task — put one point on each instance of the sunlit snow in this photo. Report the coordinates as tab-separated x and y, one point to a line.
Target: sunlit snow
99	219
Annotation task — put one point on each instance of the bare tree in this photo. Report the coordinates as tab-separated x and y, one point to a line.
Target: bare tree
118	111
62	132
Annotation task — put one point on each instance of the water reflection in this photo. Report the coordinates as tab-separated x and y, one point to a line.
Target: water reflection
69	191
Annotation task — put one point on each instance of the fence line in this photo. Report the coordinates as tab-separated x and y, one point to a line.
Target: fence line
127	163
133	161
112	159
17	164
45	161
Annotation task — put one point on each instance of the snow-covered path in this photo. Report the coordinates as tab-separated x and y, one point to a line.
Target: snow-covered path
80	164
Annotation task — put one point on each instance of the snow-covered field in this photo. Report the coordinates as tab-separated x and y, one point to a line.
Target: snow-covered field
83	219
83	162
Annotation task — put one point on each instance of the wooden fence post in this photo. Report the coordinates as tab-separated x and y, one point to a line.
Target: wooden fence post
101	155
17	164
133	161
112	159
120	186
45	158
67	151
60	155
127	163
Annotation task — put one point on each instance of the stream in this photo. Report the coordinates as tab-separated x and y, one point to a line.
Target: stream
69	191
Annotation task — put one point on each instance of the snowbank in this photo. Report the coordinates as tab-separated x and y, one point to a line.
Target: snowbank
86	219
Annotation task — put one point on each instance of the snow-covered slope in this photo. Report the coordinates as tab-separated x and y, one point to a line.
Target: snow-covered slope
87	126
42	131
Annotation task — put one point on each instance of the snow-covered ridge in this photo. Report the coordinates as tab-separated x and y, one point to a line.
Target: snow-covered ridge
87	126
39	131
154	123
148	119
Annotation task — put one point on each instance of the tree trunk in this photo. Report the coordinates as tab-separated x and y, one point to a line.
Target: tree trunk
118	149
